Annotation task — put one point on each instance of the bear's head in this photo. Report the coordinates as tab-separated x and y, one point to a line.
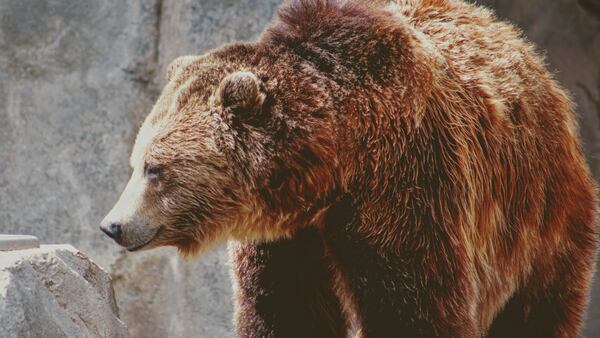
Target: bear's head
230	149
254	140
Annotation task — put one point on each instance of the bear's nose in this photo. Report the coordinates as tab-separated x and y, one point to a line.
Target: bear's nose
113	230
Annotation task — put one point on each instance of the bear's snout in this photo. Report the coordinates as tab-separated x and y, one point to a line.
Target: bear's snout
113	230
130	235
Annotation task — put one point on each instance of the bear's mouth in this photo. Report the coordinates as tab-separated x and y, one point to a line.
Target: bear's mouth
144	243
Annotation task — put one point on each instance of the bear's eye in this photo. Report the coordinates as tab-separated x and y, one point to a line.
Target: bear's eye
152	173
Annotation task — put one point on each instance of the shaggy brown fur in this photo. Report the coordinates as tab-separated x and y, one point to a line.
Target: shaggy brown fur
405	169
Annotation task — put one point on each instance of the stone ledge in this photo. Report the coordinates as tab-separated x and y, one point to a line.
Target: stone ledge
18	242
56	291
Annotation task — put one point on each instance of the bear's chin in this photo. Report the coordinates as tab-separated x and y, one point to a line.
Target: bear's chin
141	241
140	247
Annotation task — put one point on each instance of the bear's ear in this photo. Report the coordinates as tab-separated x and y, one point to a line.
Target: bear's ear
180	63
242	92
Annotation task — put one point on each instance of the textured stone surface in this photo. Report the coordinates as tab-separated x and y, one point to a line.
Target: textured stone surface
18	242
69	105
165	296
55	291
77	77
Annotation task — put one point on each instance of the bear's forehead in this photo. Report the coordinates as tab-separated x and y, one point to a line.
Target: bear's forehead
155	124
192	85
144	138
183	104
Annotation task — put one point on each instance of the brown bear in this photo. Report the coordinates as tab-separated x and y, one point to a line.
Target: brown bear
386	169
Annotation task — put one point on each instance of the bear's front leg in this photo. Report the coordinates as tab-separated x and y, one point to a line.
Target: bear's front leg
283	289
413	291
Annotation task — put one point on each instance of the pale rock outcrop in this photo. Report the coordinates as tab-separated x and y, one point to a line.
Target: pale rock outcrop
56	291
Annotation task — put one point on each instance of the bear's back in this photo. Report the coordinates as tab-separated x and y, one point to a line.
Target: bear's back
485	53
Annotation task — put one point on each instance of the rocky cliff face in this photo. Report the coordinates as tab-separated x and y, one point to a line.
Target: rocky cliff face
76	79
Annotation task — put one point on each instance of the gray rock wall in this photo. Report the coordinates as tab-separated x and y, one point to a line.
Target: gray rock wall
76	79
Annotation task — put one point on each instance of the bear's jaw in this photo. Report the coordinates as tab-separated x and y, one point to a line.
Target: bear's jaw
136	248
141	246
140	240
